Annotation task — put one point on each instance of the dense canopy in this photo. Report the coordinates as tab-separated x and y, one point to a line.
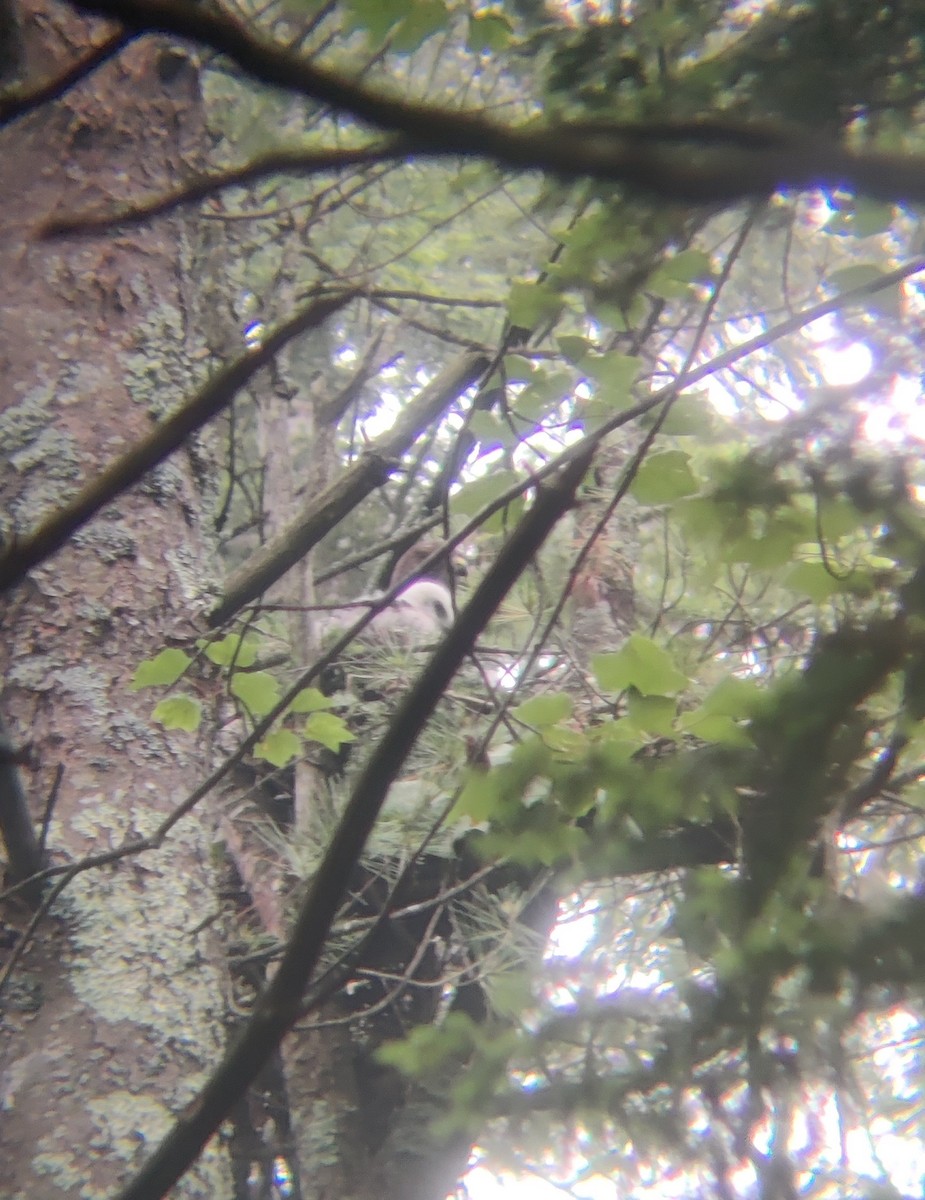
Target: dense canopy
606	880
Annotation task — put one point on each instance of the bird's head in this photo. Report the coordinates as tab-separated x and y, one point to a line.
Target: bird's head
426	604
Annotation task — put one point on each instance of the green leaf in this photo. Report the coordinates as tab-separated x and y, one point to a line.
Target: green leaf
654	714
664	477
374	17
258	692
871	217
691	415
328	729
545	393
641	664
529	304
474	496
733	697
489	32
775	548
713	727
234	648
309	700
179	712
478	799
424	19
887	300
541	711
511	992
567	743
689	265
426	1048
161	671
672	278
812	579
490	432
613	371
574	349
278	747
518	369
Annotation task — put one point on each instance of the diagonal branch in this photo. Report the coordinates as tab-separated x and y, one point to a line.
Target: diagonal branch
169	435
18	102
321	513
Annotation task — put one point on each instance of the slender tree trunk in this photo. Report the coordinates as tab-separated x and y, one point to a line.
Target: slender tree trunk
112	1017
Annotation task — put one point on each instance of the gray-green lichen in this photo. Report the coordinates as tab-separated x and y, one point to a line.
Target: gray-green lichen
186	568
126	731
319	1139
161	374
21	423
51	449
34	672
127	1126
136	960
87	686
164	482
109	541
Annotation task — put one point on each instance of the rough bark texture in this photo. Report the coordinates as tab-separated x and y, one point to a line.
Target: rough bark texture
114	1014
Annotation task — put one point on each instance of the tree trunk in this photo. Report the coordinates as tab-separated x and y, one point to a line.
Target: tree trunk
113	1015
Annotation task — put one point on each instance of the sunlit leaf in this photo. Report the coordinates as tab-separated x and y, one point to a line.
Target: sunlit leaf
258	691
278	747
310	700
328	729
233	648
161	671
179	712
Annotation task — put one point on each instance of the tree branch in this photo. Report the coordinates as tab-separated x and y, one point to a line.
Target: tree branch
321	513
724	160
169	435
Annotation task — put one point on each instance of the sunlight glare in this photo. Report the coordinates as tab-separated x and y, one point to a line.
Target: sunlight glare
846	365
